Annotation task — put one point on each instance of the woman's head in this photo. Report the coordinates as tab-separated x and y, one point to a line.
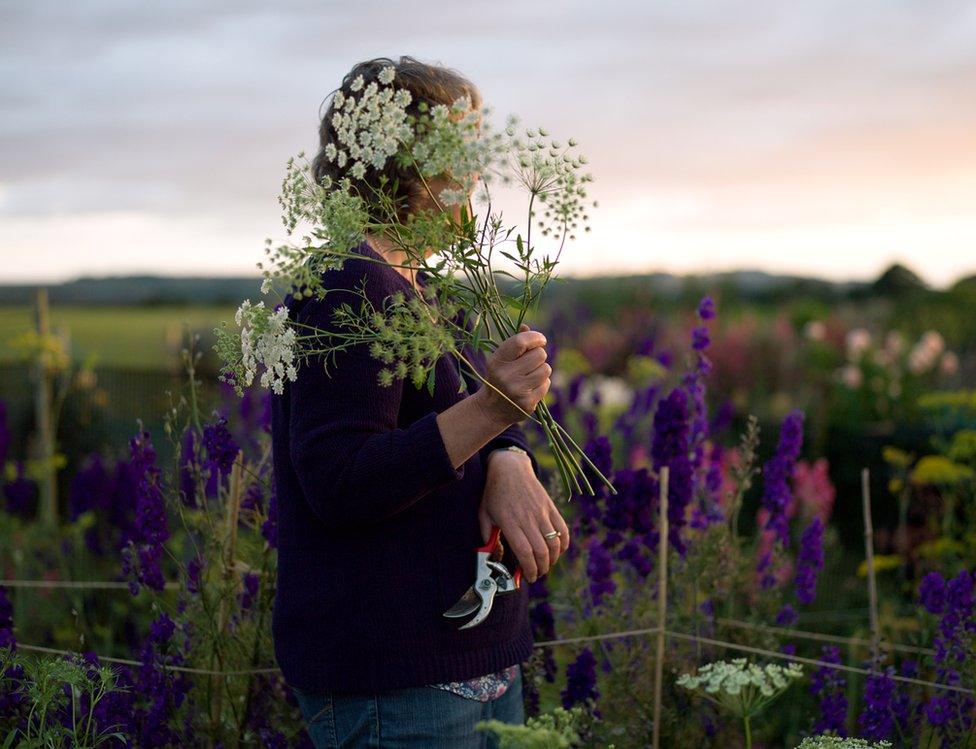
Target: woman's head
430	84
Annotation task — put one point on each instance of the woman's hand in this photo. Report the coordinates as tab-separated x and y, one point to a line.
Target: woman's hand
519	370
519	505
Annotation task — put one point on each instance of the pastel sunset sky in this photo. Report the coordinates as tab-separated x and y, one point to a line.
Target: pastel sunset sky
820	138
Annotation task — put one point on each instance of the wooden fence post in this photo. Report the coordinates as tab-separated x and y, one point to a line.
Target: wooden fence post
869	556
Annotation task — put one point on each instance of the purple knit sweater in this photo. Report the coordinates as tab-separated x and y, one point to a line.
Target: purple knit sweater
376	529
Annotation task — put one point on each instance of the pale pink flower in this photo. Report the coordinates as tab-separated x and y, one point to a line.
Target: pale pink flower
858	341
949	364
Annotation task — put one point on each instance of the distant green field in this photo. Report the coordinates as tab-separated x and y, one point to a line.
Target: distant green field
148	337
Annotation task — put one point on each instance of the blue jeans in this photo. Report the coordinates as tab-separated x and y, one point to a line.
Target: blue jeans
411	718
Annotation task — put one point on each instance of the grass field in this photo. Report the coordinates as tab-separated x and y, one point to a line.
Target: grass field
149	337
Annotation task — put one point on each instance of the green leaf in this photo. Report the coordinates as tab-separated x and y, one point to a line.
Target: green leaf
430	381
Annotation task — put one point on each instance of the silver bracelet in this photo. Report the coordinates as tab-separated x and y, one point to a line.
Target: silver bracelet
512	448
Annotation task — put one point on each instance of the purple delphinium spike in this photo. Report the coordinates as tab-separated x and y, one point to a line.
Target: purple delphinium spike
786	616
809	562
694	383
7	639
141	559
777	474
581	681
599	570
953	600
670	448
876	721
829	686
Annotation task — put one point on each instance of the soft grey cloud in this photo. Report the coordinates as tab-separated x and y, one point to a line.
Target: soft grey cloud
701	116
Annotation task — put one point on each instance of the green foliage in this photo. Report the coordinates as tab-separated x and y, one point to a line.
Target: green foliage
554	730
53	684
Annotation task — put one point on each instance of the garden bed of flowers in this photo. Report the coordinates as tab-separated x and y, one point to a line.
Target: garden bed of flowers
142	617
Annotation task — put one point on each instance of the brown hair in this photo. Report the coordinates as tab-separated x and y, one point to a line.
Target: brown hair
432	84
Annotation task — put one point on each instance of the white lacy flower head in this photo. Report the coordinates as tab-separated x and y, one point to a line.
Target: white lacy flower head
836	742
268	341
371	127
741	687
552	174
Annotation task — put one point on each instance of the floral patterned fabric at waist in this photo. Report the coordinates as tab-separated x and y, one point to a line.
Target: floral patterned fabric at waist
483	688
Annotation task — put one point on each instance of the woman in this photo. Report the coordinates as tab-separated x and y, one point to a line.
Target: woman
384	493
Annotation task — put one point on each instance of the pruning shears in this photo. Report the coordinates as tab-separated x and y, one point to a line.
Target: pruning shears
492	578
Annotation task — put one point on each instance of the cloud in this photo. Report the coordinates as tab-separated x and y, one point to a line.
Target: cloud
744	116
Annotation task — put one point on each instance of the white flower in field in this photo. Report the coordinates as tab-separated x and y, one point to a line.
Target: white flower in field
895	343
836	742
606	391
949	364
852	376
858	341
815	330
266	341
742	688
933	342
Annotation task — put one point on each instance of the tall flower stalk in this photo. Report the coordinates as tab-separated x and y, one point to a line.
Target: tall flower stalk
376	124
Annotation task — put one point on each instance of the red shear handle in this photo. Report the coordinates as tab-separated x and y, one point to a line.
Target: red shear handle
489	547
492	540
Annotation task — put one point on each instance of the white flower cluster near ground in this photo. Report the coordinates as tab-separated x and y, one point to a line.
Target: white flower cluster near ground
836	742
741	687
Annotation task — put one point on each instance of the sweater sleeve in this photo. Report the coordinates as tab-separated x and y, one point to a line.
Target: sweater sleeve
513	435
354	464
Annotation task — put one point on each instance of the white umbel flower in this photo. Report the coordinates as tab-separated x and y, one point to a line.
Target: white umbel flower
742	688
268	342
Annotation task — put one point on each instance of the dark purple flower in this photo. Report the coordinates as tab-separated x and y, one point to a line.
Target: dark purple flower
220	445
786	616
670	448
951	712
599	569
250	592
706	308
876	720
142	557
21	493
829	686
161	630
778	472
809	562
699	338
580	680
932	593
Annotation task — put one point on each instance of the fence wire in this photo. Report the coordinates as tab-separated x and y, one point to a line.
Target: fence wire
572	641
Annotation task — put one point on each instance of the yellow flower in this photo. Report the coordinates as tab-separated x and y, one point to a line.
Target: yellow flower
882	563
939	470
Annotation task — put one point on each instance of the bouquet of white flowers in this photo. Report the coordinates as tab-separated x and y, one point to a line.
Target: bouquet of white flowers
452	153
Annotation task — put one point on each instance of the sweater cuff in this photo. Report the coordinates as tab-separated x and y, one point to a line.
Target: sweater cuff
431	453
